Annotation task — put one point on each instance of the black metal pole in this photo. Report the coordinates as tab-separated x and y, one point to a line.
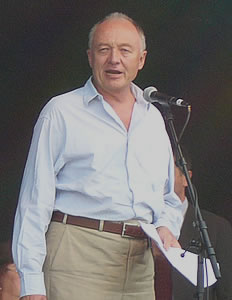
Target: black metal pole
199	221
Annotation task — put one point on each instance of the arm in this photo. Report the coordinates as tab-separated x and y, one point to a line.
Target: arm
169	223
35	207
167	238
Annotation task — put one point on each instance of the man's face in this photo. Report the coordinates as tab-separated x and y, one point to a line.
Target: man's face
180	184
115	56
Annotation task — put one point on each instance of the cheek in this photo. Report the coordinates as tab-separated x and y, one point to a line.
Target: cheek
90	58
98	63
136	65
132	68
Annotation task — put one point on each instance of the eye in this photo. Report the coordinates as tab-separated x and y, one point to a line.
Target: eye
125	50
103	49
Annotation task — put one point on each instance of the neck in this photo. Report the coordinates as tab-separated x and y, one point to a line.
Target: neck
182	196
120	96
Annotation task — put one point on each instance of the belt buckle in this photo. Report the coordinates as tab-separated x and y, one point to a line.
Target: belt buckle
124	230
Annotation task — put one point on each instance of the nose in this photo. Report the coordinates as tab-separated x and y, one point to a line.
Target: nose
114	56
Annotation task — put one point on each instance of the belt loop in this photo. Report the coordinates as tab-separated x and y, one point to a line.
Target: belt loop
101	225
65	219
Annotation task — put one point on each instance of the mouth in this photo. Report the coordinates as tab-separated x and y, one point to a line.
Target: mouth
113	72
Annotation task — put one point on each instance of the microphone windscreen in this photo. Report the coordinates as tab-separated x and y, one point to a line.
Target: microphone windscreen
147	93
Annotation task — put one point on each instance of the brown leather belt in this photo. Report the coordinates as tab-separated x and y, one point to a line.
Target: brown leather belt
128	230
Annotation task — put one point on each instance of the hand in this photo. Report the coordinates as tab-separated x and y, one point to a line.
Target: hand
167	238
34	297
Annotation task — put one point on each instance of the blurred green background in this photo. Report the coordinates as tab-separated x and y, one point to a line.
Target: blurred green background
43	53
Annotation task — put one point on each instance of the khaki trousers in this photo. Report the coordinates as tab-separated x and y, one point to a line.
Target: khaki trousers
86	264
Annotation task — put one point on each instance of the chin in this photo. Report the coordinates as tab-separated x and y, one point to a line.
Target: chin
117	85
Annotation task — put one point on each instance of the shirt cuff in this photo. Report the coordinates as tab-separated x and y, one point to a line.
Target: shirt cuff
32	284
174	230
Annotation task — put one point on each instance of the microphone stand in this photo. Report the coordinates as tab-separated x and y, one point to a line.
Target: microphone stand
201	224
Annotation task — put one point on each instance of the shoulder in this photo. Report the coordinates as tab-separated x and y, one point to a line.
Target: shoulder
219	229
211	218
216	224
216	219
62	103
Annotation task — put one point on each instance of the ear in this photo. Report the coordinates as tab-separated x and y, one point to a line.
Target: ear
142	59
190	174
89	54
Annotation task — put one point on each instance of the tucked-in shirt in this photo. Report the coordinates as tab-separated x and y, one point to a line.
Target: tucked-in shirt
84	162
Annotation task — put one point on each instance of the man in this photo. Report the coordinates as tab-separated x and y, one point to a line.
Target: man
9	279
220	234
9	282
100	161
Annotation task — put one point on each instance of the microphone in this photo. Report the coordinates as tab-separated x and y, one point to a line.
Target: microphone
152	95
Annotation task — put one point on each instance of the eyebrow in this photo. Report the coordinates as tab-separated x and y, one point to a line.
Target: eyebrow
126	45
108	45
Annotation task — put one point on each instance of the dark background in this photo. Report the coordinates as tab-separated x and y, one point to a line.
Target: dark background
43	53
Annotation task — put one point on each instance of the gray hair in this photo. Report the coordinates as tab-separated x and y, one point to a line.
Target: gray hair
117	15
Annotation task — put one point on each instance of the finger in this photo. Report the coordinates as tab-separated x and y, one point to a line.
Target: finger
175	244
167	243
170	241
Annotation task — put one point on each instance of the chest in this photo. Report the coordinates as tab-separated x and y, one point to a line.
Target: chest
124	112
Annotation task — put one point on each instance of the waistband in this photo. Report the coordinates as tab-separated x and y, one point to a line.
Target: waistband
127	230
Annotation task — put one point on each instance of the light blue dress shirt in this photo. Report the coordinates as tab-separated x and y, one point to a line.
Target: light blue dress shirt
83	161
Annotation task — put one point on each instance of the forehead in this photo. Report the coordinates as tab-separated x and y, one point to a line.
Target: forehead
117	31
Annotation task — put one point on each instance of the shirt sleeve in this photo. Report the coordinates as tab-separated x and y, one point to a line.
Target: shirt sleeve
35	207
171	215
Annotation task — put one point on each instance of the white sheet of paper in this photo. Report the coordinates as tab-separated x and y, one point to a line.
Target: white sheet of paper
186	265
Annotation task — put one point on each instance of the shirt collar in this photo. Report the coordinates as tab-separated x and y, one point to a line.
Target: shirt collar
90	93
138	93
